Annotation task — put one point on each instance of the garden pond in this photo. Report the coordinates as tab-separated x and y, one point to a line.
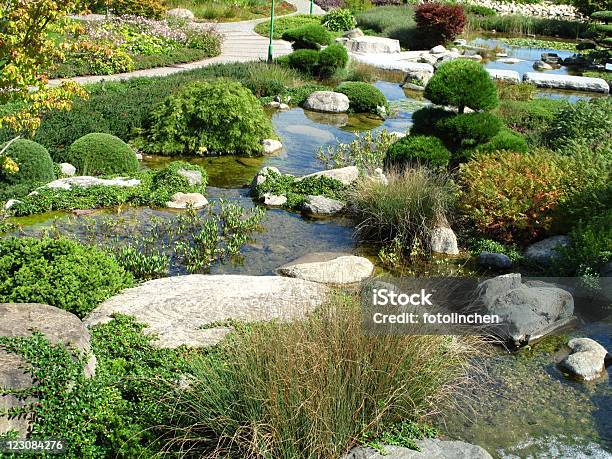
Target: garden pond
525	408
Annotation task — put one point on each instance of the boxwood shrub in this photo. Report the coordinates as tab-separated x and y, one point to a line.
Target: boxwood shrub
462	83
35	168
416	150
468	130
505	139
58	272
332	58
363	97
208	117
309	36
306	60
425	120
102	154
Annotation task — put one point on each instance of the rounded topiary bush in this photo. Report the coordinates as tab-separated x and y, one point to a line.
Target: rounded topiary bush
58	272
306	60
415	150
209	117
425	120
505	139
363	97
309	36
462	83
102	154
332	58
35	165
468	130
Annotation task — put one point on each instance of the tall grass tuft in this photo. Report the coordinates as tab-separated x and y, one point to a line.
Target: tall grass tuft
526	25
405	210
311	389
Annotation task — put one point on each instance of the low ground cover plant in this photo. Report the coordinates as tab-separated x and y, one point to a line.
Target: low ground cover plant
156	189
216	117
312	388
101	154
59	272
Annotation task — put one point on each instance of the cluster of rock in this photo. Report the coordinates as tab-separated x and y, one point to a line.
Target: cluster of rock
315	205
541	253
429	448
549	10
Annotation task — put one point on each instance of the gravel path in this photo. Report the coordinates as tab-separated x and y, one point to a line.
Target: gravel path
240	44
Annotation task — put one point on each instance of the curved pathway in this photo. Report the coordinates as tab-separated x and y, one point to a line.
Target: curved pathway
240	44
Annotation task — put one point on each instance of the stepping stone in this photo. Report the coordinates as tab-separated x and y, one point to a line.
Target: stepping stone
571	82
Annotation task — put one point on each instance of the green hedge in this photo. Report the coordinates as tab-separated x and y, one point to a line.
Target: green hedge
210	117
309	36
58	272
363	97
102	154
416	150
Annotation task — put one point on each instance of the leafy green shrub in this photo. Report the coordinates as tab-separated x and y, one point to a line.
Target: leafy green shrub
102	154
417	149
310	36
332	58
585	120
414	202
462	83
35	166
216	117
505	139
339	20
531	118
533	186
306	60
312	388
425	120
155	189
364	98
58	272
468	130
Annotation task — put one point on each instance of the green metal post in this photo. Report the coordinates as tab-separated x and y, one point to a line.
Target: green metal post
311	6
271	33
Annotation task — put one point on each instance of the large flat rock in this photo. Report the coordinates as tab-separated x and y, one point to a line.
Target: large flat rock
393	62
430	448
370	44
191	310
58	326
334	268
571	82
510	76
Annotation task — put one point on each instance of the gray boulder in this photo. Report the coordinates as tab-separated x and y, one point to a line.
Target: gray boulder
262	175
443	240
86	181
527	311
430	448
540	65
368	44
187	200
271	146
327	101
10	203
193	177
586	359
274	200
494	260
181	13
58	326
571	82
320	205
347	175
329	268
190	310
545	251
67	169
353	33
509	76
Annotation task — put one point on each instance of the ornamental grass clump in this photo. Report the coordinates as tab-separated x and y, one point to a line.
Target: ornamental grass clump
312	388
406	209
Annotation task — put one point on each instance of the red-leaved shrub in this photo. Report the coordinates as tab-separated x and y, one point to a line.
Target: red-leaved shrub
438	23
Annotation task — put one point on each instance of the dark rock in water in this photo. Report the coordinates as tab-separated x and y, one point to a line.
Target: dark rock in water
546	250
551	58
494	260
527	311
